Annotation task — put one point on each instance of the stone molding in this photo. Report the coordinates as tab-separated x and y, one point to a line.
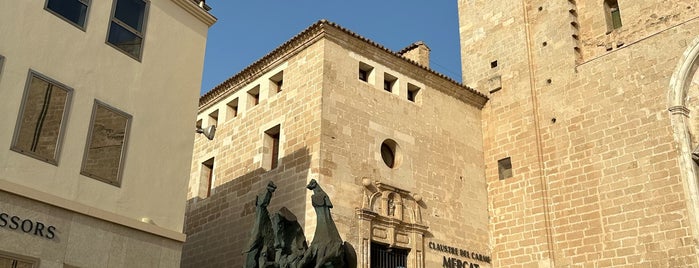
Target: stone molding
76	207
382	218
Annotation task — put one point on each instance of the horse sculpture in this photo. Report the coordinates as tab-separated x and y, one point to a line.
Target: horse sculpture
279	242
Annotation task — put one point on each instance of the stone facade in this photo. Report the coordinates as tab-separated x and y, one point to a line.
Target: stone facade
333	126
597	125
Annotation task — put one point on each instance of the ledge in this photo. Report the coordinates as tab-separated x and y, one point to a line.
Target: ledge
196	11
76	207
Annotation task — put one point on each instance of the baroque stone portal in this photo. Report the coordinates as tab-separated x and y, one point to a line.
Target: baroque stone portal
279	242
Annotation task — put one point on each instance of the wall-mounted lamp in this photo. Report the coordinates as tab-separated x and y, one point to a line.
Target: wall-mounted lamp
208	132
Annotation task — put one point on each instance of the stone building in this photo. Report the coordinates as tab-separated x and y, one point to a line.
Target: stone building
582	154
82	177
589	130
396	146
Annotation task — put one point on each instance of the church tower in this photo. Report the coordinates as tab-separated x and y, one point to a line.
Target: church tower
587	156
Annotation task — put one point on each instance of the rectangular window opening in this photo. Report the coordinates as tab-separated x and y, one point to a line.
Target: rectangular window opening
612	15
413	92
127	27
207	177
493	64
254	96
42	116
276	82
504	168
366	72
72	11
232	110
389	82
106	144
271	148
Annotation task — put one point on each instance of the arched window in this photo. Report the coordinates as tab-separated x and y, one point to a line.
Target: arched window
612	14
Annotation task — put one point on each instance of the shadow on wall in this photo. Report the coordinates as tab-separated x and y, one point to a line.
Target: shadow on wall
218	227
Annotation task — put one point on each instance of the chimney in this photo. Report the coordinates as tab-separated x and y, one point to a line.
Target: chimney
417	52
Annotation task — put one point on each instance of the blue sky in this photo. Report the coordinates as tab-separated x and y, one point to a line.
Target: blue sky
248	30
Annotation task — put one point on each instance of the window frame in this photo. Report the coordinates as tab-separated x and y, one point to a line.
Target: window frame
90	133
11	256
142	34
610	7
64	118
87	14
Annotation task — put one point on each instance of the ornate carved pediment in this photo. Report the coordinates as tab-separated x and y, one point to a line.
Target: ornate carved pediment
392	216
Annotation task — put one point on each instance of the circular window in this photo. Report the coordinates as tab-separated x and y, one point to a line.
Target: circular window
390	153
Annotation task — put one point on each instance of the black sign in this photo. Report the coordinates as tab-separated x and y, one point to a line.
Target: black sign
448	262
27	226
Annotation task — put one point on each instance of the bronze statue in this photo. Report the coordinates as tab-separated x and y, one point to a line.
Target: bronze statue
260	249
327	247
279	242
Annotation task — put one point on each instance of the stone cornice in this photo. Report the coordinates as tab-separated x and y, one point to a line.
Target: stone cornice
332	31
90	211
196	11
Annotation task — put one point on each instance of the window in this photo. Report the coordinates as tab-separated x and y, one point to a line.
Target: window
42	116
276	82
232	110
207	177
413	91
254	96
505	168
366	72
390	154
389	82
73	11
271	148
14	261
106	144
612	14
126	29
213	118
199	122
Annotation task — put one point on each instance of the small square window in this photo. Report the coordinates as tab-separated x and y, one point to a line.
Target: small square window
366	72
106	144
42	116
493	64
126	29
389	82
73	11
232	110
254	96
276	82
213	118
413	92
505	168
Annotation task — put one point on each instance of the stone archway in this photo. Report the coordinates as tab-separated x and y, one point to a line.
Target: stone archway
683	104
